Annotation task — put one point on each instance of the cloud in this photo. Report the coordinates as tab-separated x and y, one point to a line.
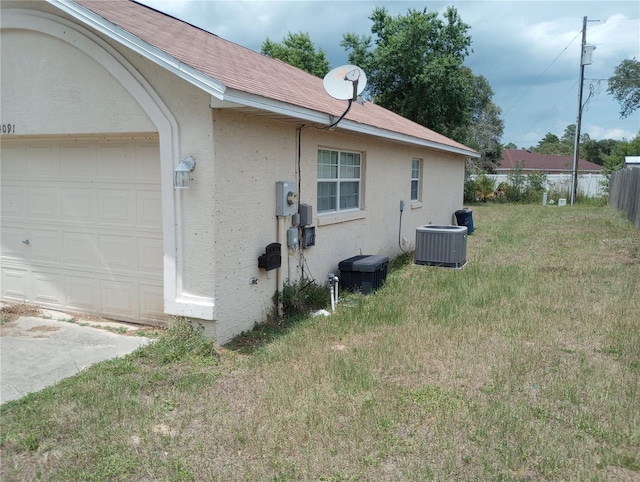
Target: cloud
529	51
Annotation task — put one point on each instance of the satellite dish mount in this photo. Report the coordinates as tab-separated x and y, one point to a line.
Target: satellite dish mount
346	82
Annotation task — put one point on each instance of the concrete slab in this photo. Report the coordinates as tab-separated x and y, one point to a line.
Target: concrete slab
36	352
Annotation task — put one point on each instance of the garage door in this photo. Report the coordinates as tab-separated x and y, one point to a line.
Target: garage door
82	225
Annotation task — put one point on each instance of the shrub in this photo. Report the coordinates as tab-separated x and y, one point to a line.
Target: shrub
301	297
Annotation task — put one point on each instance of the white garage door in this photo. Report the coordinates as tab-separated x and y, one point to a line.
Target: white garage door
82	225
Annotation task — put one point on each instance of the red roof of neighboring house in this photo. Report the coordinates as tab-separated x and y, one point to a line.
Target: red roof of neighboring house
542	162
237	69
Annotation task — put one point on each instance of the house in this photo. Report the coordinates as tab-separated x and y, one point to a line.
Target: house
632	161
104	102
547	163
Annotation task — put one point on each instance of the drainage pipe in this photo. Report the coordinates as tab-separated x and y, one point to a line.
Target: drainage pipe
279	272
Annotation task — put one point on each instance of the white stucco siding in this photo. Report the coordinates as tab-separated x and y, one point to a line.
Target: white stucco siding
252	153
54	88
386	180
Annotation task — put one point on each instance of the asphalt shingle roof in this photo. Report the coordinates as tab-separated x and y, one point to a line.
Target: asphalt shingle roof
543	162
244	70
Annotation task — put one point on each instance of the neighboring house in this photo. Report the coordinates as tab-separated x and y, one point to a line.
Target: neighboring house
102	100
632	161
547	163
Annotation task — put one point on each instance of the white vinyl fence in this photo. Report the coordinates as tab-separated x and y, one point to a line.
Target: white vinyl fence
589	185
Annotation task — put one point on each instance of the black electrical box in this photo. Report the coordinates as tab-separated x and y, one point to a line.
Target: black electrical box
308	236
363	273
272	258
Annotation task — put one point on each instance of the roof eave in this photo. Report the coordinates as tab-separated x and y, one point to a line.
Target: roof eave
405	138
220	91
308	115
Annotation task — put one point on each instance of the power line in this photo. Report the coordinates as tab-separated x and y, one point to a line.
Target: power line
553	106
540	76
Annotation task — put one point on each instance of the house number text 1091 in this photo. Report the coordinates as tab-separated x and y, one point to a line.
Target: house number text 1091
8	128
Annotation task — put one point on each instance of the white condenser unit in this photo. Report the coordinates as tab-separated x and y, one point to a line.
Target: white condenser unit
441	245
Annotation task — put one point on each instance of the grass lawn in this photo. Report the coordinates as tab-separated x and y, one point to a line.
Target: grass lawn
524	365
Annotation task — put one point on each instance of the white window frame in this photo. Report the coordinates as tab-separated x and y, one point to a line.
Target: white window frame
340	179
416	180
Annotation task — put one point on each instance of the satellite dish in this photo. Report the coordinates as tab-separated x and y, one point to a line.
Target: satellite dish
345	82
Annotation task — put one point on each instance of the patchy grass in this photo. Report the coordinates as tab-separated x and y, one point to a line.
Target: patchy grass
524	365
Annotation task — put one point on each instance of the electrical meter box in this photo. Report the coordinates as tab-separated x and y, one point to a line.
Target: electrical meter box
285	198
306	214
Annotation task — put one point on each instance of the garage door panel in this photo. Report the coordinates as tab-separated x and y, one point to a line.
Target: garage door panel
80	250
147	167
43	161
13	164
118	252
118	297
150	256
115	206
47	288
43	203
92	212
14	202
12	243
44	245
149	209
15	284
151	301
81	293
78	205
114	160
77	161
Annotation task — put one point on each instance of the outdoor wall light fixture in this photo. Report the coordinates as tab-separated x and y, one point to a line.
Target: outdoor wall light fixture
182	173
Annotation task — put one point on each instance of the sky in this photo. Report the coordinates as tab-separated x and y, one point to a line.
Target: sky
529	51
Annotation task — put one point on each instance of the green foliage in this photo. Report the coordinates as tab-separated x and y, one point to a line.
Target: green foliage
301	297
298	50
624	85
181	342
470	189
415	66
615	160
485	188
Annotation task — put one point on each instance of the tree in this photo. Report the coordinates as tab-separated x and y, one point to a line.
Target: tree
414	67
624	85
298	50
615	160
486	127
550	144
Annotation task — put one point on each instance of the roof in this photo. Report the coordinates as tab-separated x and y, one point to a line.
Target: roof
232	73
534	161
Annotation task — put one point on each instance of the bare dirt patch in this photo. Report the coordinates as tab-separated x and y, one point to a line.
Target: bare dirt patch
10	313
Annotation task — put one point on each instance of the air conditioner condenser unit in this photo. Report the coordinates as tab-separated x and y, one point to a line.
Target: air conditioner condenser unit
441	246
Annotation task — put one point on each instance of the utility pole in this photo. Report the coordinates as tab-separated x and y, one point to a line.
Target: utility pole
585	59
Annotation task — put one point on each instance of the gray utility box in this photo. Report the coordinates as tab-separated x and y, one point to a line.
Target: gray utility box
441	246
363	273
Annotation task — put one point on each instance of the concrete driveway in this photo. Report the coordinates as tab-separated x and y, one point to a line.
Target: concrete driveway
36	352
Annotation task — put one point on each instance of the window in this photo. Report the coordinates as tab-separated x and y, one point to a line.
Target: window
416	165
338	181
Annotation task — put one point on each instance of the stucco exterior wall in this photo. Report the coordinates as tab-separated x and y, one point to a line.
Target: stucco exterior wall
226	219
252	153
61	90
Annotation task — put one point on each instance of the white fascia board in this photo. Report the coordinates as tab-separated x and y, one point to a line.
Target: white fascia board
141	47
271	105
239	98
397	136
